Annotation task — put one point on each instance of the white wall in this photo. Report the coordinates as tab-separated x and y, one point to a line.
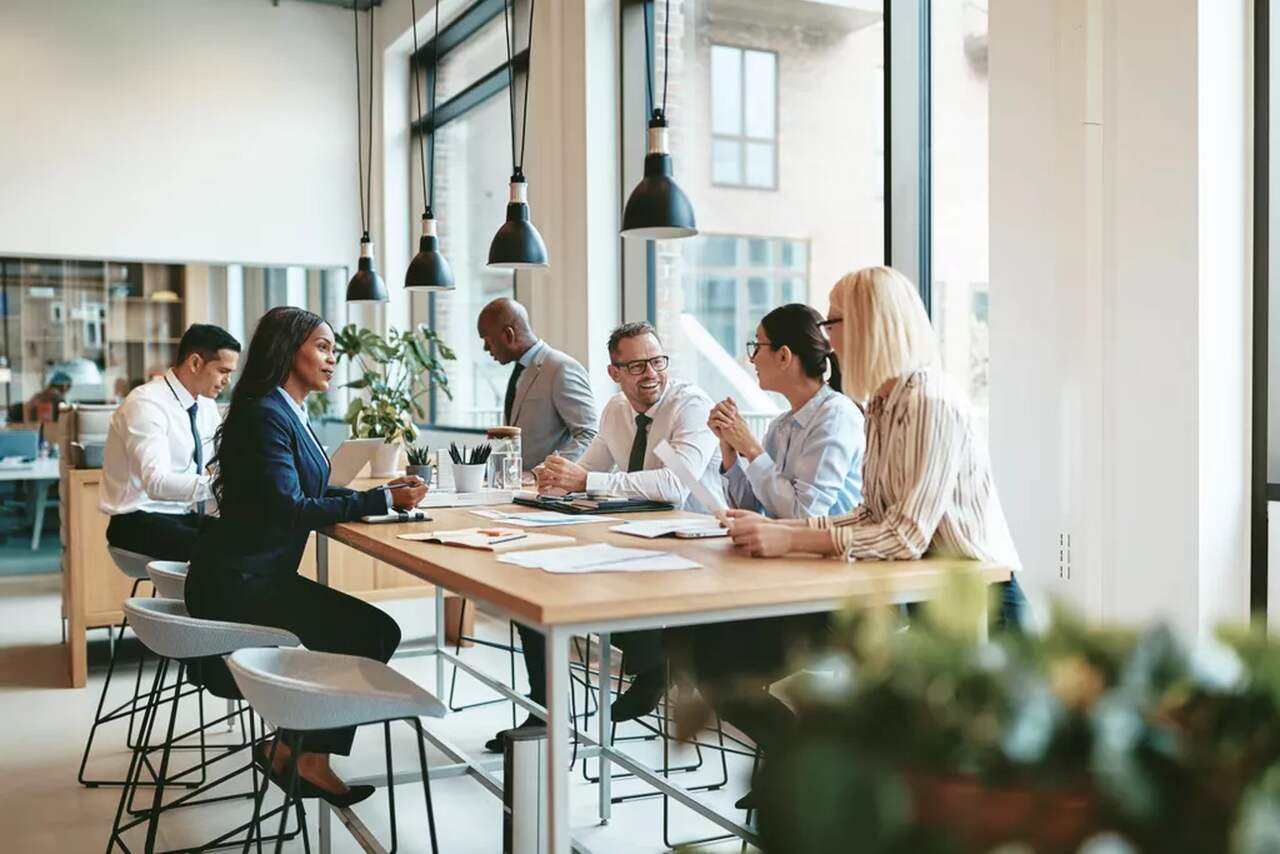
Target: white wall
1120	316
204	130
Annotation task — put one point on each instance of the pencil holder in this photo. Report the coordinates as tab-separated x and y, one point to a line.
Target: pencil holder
468	478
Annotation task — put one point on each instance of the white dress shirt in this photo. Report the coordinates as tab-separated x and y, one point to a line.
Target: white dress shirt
679	417
149	463
811	464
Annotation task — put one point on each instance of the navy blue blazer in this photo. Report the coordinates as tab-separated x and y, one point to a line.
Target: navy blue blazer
275	492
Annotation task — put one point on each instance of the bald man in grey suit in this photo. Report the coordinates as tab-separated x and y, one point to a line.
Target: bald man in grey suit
549	394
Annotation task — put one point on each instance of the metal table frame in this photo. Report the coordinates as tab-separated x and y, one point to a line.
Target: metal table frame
556	714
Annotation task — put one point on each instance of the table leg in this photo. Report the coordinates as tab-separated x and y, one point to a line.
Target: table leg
440	632
41	488
323	815
558	770
606	728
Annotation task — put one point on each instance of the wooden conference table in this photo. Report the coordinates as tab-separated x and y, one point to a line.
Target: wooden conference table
728	586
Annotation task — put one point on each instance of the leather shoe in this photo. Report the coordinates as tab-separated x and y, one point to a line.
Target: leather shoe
305	788
642	697
497	743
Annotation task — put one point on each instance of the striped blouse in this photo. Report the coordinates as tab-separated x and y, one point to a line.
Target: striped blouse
927	485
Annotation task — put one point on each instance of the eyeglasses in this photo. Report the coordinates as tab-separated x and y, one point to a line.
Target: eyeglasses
636	368
753	347
827	324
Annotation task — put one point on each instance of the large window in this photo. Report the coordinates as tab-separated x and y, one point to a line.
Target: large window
744	117
779	94
473	165
960	244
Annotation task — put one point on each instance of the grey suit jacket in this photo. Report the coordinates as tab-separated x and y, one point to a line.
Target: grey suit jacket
554	408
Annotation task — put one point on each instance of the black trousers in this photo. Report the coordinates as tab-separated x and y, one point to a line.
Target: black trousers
735	663
642	651
163	536
324	619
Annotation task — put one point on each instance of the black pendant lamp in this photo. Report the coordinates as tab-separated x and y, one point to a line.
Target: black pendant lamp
366	285
429	270
517	245
657	208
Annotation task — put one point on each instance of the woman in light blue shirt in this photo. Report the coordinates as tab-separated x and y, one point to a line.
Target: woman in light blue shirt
811	461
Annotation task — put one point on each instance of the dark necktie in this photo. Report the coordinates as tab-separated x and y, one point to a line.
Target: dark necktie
511	393
198	454
639	444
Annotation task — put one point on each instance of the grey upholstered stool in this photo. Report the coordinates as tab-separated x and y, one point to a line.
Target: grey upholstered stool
132	565
300	691
175	637
169	578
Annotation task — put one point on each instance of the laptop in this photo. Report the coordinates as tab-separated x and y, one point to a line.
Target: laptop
350	458
578	504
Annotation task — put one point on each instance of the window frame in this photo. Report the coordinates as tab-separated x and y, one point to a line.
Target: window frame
742	139
453	36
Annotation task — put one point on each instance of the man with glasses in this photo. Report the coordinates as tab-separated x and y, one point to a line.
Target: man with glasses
649	408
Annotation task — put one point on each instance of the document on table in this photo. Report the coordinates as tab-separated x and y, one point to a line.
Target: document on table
449	498
687	478
597	558
652	528
541	519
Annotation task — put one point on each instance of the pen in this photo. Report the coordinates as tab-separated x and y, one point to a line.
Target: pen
507	539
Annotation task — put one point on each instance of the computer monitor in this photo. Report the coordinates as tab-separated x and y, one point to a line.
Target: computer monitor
19	443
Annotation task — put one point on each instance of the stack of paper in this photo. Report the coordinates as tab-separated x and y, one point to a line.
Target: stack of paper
541	519
597	558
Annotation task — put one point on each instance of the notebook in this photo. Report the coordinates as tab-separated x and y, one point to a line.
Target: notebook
579	504
488	539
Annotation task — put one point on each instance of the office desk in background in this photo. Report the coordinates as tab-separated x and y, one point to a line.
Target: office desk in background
728	586
41	474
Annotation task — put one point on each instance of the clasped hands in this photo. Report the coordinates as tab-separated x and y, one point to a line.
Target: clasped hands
736	439
407	491
757	535
559	476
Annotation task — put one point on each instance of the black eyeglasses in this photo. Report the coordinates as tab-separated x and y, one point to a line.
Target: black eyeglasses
827	324
636	368
753	347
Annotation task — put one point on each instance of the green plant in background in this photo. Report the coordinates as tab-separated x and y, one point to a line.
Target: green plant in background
396	372
419	456
318	405
927	740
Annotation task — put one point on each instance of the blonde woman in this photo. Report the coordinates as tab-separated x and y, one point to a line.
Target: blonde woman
927	491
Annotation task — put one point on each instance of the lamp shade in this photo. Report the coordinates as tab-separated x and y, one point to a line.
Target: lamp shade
429	270
78	371
366	285
657	208
518	245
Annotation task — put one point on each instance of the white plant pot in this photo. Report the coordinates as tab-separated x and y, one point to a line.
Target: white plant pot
386	460
468	478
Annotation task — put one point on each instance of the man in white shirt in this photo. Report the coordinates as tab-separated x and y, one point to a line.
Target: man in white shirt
649	408
154	480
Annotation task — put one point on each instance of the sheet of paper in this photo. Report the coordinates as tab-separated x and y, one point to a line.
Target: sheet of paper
651	528
541	519
597	557
672	460
449	498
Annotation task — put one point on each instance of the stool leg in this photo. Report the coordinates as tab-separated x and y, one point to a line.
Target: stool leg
154	824
260	792
102	698
135	759
426	784
292	795
391	787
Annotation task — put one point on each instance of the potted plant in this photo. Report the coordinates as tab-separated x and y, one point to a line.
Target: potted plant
396	370
419	461
926	740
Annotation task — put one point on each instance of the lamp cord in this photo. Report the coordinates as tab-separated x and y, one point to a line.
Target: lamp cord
355	17
368	176
648	58
666	62
428	184
508	30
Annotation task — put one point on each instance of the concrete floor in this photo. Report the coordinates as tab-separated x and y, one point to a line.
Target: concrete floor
43	727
